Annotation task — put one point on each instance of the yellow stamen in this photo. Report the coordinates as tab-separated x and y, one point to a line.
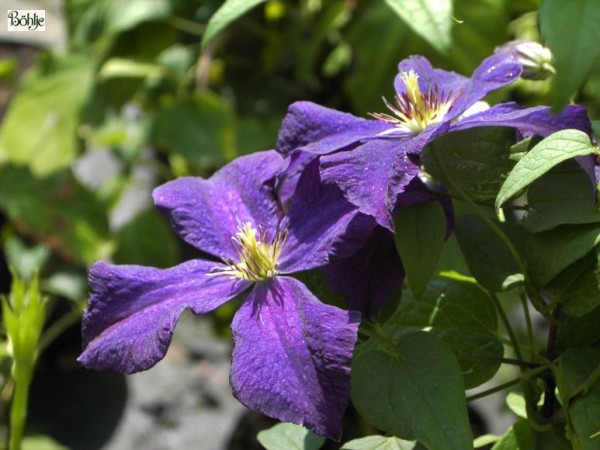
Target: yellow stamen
257	257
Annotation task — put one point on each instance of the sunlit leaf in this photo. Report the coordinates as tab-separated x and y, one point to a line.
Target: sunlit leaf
553	150
431	19
227	13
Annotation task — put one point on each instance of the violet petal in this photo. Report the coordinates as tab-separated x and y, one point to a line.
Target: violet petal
133	310
321	224
322	130
529	120
291	356
373	175
368	278
207	213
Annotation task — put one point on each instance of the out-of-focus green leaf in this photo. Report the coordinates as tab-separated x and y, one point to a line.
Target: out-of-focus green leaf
571	31
146	240
70	285
419	232
56	211
289	436
431	19
41	443
199	128
227	13
379	443
553	150
26	261
124	68
399	390
40	126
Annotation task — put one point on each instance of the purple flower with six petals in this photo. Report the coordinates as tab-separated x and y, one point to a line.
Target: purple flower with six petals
292	353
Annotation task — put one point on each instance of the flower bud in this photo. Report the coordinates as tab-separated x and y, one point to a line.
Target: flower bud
536	59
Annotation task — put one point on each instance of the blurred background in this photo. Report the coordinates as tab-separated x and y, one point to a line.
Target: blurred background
117	97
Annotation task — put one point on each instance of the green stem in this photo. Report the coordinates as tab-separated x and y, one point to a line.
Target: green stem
509	329
528	322
525	376
57	328
18	410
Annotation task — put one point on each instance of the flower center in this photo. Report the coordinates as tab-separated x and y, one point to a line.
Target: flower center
413	110
257	257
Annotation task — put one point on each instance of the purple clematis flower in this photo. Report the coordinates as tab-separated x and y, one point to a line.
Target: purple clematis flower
375	162
292	353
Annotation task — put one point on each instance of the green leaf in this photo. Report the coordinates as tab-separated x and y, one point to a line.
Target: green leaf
57	211
571	30
227	13
488	258
146	240
565	195
41	443
125	68
431	19
578	331
419	232
289	436
556	148
579	389
460	313
399	390
476	161
26	261
40	126
522	437
379	443
199	128
548	253
576	288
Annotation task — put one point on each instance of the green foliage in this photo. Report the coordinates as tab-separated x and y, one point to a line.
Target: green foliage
431	19
489	259
289	436
227	13
462	315
379	443
40	127
419	236
474	162
397	389
571	31
550	152
579	388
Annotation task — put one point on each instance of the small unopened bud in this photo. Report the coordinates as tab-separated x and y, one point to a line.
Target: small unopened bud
536	59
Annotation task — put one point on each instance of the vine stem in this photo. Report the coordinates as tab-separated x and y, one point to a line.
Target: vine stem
526	375
20	400
549	394
509	329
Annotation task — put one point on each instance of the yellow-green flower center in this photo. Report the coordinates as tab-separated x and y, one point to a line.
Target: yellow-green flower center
413	110
257	257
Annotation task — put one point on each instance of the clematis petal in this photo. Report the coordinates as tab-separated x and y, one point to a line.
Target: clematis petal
321	224
291	356
133	310
429	78
529	120
496	71
322	130
368	278
373	175
207	213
